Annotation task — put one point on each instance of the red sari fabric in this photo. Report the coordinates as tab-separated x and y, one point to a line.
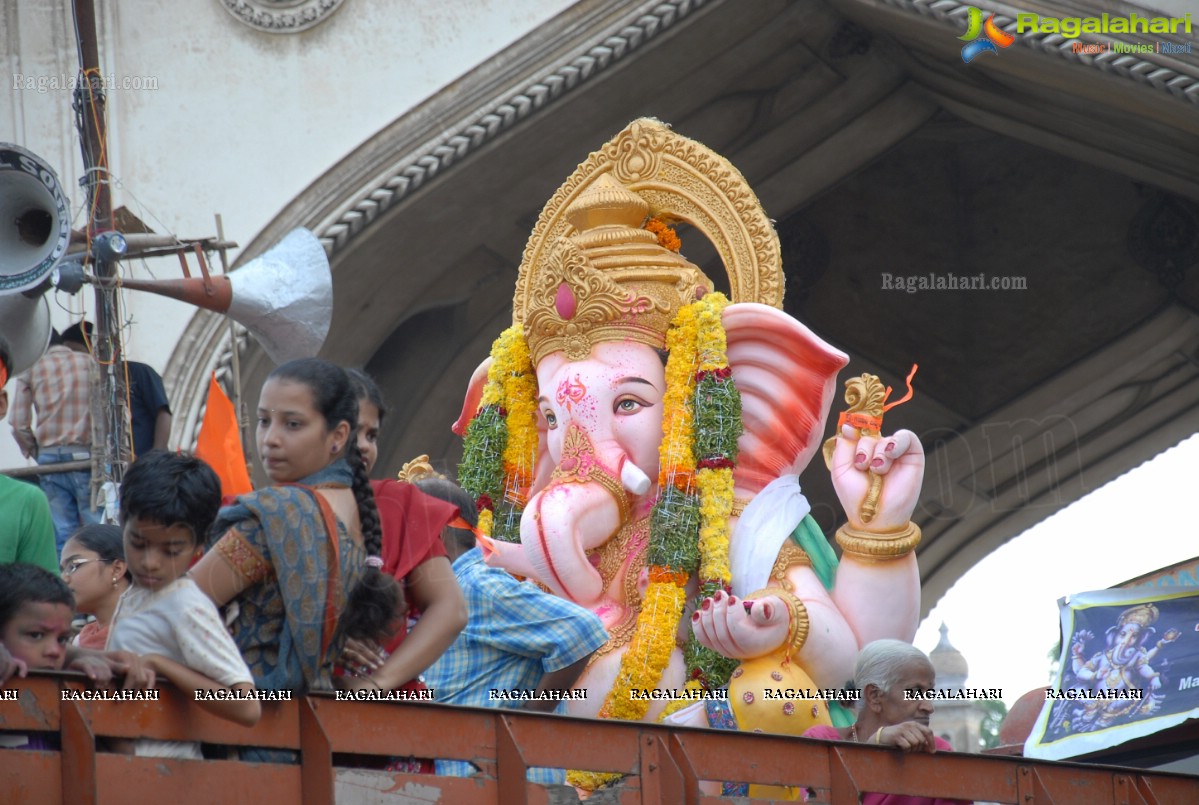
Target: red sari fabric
412	522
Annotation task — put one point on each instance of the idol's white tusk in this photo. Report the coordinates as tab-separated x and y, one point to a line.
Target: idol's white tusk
634	479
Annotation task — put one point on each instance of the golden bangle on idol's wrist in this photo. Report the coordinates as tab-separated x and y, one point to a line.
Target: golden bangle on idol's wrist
797	627
874	546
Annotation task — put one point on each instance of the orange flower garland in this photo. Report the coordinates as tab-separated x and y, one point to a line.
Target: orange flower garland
520	400
501	440
667	237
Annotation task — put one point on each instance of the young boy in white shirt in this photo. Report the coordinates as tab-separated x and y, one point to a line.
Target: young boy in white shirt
168	503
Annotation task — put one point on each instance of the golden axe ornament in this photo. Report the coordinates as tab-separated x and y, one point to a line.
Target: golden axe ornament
635	441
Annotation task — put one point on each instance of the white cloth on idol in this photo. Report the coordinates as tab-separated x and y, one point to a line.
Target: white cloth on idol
765	524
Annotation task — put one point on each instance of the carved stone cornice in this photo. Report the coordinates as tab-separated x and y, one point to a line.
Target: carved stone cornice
587	60
186	378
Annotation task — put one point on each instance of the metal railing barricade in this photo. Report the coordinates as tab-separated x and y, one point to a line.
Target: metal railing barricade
665	765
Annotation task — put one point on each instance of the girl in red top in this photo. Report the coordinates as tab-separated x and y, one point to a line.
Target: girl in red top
414	555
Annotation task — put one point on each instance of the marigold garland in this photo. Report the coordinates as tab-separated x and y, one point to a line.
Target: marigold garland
717	427
716	505
651	647
667	237
692	686
501	441
676	462
484	524
520	400
711	346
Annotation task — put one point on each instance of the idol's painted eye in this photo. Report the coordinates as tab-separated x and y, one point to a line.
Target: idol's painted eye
550	419
630	405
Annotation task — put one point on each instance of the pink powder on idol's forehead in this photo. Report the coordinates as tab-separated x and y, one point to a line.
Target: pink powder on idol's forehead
571	391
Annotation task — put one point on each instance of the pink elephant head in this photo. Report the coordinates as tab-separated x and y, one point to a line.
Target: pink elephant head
599	286
601	427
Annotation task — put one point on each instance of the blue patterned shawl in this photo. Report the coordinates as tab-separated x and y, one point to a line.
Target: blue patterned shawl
286	625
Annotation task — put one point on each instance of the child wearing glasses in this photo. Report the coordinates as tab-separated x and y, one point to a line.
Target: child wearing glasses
93	566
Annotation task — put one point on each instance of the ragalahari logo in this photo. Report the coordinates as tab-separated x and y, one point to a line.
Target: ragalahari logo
983	37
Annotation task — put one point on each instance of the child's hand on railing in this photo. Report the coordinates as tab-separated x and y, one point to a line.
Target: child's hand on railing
94	666
10	665
137	671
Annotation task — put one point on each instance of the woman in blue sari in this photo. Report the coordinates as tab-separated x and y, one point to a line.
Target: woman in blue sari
301	560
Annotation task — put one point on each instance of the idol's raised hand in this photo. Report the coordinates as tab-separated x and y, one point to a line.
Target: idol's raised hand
877	478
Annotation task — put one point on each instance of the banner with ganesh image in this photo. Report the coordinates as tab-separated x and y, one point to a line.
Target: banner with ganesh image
1129	667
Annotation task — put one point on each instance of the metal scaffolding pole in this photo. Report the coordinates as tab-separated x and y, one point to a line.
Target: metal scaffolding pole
110	418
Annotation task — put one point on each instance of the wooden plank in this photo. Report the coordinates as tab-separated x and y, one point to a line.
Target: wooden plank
662	780
364	787
36	706
663	764
78	756
762	759
27	776
177	717
122	779
384	728
316	750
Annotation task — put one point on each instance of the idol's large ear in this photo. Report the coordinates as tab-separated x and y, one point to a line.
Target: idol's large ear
474	393
787	377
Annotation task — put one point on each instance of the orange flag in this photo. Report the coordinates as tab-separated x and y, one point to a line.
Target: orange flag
219	443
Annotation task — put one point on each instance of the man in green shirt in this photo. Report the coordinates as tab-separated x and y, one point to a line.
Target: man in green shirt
26	530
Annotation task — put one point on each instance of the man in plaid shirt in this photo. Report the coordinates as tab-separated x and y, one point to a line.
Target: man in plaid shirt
517	639
58	387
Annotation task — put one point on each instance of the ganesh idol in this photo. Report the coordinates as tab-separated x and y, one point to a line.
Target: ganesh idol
635	441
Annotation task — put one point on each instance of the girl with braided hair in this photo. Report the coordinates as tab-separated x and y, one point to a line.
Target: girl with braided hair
302	559
414	556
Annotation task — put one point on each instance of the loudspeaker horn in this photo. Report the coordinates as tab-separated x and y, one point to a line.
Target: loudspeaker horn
35	220
284	297
25	325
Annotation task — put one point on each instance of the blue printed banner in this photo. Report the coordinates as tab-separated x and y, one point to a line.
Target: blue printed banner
1129	667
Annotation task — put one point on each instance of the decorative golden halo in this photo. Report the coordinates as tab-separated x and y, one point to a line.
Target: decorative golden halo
680	180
